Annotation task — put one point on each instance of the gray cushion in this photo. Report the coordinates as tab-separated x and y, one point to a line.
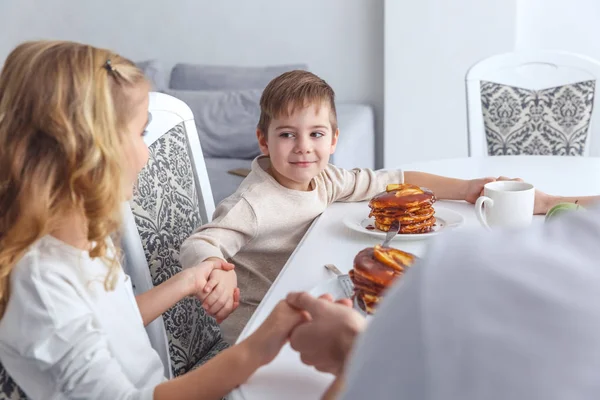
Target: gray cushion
155	73
212	77
551	121
226	120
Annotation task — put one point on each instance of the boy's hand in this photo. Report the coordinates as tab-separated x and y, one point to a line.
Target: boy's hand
221	294
198	276
475	188
543	201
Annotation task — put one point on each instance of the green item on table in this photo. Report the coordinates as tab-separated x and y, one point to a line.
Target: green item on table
562	208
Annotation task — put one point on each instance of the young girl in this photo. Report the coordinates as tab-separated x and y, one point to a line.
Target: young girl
72	118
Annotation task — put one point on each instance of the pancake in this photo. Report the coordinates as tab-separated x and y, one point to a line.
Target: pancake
404	197
374	270
411	205
419	227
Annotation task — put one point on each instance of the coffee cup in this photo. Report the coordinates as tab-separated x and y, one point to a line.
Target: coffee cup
506	204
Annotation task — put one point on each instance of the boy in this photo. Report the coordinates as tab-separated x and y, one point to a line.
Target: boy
259	226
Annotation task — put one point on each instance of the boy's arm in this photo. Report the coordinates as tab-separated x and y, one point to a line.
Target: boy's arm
233	226
363	184
444	188
358	184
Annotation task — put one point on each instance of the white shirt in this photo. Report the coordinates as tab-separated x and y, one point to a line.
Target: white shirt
504	315
64	337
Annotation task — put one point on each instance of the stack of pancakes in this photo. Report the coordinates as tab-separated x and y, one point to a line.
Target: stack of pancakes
409	204
375	268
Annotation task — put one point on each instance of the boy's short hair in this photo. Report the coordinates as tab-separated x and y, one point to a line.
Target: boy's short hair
291	91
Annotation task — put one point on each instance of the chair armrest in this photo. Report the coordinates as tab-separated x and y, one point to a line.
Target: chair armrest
136	267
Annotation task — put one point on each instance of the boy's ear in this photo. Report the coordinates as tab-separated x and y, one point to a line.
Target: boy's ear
262	142
334	141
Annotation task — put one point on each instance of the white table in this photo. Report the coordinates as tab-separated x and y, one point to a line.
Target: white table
330	241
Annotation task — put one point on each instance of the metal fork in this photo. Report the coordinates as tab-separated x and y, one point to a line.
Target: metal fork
333	269
394	229
343	279
347	286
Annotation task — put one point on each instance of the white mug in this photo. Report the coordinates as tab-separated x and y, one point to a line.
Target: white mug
507	204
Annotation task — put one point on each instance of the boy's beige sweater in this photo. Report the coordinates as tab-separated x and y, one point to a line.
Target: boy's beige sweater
259	226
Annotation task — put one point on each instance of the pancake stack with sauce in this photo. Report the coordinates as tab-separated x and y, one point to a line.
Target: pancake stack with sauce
411	205
374	270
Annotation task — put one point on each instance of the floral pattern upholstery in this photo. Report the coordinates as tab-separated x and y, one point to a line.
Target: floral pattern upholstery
551	121
10	390
166	211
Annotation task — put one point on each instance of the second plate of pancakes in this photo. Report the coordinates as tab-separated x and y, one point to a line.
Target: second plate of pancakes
446	219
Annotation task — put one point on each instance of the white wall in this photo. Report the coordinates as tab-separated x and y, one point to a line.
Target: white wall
340	40
558	24
429	45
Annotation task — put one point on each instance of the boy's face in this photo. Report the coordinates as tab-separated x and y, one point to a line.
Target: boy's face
299	146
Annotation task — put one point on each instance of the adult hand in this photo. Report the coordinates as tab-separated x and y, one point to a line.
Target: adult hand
326	339
266	342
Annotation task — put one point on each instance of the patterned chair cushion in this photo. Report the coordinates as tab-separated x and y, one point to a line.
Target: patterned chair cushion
551	121
166	211
10	390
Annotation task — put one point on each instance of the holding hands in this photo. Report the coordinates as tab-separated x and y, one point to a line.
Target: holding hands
325	339
214	283
321	330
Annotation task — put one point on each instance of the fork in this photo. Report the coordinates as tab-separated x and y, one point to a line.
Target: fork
347	286
394	229
333	269
343	279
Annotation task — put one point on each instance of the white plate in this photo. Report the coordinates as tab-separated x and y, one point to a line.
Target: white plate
446	219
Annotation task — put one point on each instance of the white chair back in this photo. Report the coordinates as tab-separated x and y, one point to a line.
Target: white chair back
168	112
171	199
533	70
136	266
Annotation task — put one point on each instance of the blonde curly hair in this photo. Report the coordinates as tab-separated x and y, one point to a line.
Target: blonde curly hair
63	109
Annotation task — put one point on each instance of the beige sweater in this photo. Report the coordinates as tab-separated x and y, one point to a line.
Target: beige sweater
259	226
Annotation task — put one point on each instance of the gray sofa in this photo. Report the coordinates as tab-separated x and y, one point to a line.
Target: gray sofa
224	101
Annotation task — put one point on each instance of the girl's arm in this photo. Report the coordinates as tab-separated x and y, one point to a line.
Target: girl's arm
446	188
216	378
191	281
234	366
